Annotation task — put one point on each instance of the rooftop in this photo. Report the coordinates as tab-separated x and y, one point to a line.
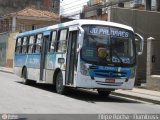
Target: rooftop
32	12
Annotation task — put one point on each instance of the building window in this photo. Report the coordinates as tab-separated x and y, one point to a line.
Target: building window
34	26
22	27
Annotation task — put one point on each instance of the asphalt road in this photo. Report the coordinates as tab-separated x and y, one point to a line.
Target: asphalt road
18	98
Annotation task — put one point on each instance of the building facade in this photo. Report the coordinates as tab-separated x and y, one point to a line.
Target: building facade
147	24
98	9
144	17
8	6
21	21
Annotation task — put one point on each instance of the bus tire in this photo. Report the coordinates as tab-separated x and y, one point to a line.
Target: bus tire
103	93
60	88
24	76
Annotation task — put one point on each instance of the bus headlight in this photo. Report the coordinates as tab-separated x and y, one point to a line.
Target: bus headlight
84	69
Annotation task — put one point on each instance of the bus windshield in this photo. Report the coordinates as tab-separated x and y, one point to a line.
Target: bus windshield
108	45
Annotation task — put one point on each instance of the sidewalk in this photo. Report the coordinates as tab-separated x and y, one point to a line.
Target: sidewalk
5	69
135	93
140	94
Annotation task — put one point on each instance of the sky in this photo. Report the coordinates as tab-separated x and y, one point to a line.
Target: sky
69	7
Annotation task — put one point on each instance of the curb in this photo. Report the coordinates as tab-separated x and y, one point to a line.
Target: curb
6	71
136	97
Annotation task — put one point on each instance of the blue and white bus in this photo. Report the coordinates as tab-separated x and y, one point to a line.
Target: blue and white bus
89	54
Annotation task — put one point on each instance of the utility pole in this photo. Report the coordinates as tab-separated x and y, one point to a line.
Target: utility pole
158	5
148	5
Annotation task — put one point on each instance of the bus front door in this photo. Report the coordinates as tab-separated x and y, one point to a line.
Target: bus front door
43	56
71	61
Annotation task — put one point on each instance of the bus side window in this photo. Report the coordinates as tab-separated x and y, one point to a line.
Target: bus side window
24	45
62	42
31	44
18	45
52	44
38	45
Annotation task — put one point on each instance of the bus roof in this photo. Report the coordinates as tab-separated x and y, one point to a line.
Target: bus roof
75	22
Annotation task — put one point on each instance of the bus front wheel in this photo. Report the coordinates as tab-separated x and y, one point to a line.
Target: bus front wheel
60	88
103	93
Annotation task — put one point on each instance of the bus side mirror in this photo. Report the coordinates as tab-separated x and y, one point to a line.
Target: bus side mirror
139	40
80	38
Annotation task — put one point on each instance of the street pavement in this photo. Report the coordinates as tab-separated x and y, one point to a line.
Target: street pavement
17	98
135	93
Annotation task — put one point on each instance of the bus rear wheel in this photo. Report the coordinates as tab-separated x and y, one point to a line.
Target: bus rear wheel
24	77
103	93
60	88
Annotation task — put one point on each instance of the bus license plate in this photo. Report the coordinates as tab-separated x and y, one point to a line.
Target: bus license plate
110	80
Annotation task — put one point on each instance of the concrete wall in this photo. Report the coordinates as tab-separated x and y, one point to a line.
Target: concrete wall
147	24
3	45
29	23
154	82
7	42
7	46
10	49
9	6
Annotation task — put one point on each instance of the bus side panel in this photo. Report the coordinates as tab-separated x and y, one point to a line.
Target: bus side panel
33	74
49	76
19	62
33	66
61	65
52	64
50	67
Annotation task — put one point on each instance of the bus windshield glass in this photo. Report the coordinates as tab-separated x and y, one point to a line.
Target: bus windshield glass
108	45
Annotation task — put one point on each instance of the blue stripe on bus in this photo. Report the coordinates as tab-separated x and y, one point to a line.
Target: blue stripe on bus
30	60
33	60
51	61
109	72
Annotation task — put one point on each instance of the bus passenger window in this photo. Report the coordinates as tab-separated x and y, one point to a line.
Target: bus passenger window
52	45
18	45
31	44
62	43
24	45
39	43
